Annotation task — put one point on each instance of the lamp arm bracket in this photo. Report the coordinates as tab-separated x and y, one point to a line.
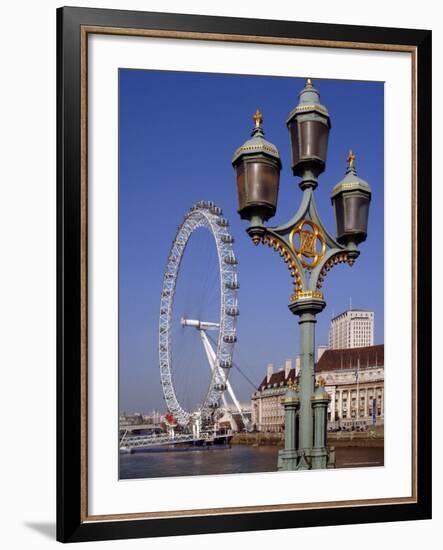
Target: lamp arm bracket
283	247
330	241
333	257
279	238
307	206
304	207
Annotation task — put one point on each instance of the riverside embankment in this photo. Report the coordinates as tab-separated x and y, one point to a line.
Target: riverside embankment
373	438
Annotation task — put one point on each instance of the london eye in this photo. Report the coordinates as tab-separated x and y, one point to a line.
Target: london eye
219	352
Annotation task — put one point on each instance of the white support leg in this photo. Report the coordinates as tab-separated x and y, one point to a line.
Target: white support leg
202	327
212	358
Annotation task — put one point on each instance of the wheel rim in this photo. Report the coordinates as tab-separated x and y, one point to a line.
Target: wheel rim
203	214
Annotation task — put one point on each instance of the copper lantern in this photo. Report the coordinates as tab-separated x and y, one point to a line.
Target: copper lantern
308	124
257	165
351	198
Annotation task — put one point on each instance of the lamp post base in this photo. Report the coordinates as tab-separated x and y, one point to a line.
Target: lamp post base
318	459
292	459
287	460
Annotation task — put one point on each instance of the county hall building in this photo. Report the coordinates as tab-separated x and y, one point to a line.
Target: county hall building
354	381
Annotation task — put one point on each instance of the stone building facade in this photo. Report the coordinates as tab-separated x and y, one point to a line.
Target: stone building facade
267	413
354	380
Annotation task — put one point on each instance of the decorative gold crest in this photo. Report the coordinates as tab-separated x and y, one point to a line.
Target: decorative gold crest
258	119
308	243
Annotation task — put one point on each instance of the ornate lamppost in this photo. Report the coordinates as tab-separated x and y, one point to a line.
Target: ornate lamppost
308	250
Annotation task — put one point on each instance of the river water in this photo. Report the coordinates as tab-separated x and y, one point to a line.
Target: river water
235	460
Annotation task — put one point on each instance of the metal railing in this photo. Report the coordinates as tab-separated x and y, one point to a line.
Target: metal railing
138	441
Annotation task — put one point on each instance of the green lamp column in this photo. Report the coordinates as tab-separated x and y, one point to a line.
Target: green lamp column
308	124
288	457
320	401
308	250
307	310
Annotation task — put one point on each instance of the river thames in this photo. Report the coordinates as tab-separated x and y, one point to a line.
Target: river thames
234	460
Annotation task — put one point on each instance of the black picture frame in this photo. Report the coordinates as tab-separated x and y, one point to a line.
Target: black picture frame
72	523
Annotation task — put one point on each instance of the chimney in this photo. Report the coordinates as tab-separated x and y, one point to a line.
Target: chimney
288	367
269	371
297	365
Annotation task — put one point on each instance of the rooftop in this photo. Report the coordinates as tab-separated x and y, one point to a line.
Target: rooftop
336	359
351	309
277	377
341	359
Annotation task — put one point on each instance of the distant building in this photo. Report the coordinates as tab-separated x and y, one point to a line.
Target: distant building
354	380
353	328
267	410
130	419
267	413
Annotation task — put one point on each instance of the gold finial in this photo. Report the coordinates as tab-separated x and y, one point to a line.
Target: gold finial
292	385
258	118
351	158
321	381
309	83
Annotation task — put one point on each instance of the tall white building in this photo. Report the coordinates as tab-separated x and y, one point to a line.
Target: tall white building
353	328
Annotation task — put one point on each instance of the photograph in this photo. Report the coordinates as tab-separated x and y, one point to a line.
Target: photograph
250	273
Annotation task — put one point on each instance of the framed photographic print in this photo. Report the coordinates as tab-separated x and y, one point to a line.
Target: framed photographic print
243	319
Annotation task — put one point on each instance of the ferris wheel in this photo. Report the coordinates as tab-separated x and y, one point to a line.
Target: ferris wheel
203	214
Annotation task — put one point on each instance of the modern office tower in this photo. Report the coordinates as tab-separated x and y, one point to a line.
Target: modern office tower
353	328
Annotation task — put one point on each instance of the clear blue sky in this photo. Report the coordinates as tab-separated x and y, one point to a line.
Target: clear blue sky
178	132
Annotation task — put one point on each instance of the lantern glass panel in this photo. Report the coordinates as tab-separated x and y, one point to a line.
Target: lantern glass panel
314	139
262	182
351	214
339	216
241	190
357	211
293	135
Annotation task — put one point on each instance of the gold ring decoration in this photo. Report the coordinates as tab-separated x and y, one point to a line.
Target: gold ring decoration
300	295
311	245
